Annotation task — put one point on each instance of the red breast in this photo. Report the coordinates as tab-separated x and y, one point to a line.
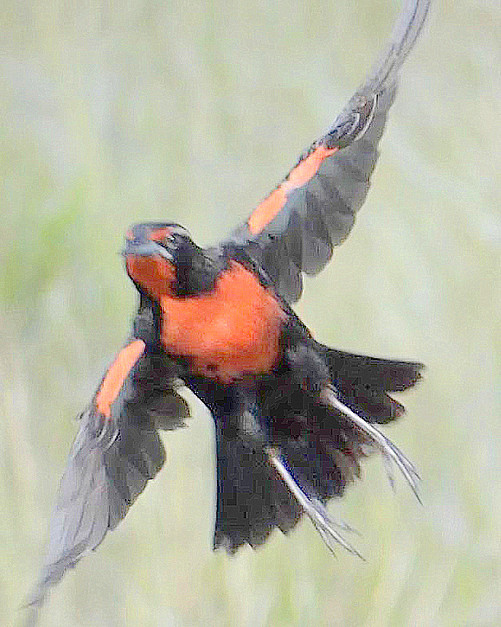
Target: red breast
229	332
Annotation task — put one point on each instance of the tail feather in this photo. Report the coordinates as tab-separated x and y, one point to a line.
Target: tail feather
325	457
305	447
391	453
316	512
363	383
251	499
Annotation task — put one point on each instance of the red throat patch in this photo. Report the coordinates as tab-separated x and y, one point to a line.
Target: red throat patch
153	273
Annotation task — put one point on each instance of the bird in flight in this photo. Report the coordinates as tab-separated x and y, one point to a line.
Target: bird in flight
293	418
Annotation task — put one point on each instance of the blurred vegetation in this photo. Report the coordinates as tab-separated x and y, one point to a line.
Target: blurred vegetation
118	112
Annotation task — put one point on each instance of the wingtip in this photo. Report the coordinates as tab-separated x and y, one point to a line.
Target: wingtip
31	608
384	72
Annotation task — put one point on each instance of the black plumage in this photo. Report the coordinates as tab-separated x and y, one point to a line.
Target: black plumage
293	418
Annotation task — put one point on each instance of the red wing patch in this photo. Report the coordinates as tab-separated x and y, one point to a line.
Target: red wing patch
299	176
114	379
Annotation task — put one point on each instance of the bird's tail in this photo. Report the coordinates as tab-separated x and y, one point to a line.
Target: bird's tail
313	450
363	383
251	498
310	456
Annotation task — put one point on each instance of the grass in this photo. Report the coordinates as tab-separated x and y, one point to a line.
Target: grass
116	113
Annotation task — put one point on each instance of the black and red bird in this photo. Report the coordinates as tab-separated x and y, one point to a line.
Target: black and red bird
293	418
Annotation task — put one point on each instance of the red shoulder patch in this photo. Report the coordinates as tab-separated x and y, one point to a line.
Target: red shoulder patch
115	377
299	176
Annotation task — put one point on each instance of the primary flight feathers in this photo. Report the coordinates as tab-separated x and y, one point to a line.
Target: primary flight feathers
296	227
293	418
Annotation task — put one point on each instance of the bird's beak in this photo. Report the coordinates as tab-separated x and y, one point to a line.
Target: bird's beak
148	248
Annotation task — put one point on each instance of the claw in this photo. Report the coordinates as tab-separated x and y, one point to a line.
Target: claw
314	508
391	453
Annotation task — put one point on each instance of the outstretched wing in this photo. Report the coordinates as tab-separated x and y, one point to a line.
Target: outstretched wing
296	227
116	451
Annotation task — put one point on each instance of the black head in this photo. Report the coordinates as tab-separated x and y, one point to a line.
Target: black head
156	238
162	258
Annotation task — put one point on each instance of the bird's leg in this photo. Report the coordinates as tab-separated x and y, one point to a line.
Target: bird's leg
314	508
391	453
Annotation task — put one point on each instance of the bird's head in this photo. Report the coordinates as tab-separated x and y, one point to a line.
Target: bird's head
162	259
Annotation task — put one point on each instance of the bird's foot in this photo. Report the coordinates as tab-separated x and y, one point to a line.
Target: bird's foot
392	455
314	508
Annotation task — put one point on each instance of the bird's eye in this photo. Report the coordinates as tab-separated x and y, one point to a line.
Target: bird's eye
169	241
169	236
178	232
174	236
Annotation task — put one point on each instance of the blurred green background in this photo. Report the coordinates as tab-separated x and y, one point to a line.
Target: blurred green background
118	112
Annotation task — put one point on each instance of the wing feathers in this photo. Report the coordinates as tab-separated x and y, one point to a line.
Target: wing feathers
305	170
116	451
317	202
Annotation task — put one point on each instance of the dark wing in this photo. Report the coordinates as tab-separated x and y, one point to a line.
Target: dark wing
296	227
116	451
